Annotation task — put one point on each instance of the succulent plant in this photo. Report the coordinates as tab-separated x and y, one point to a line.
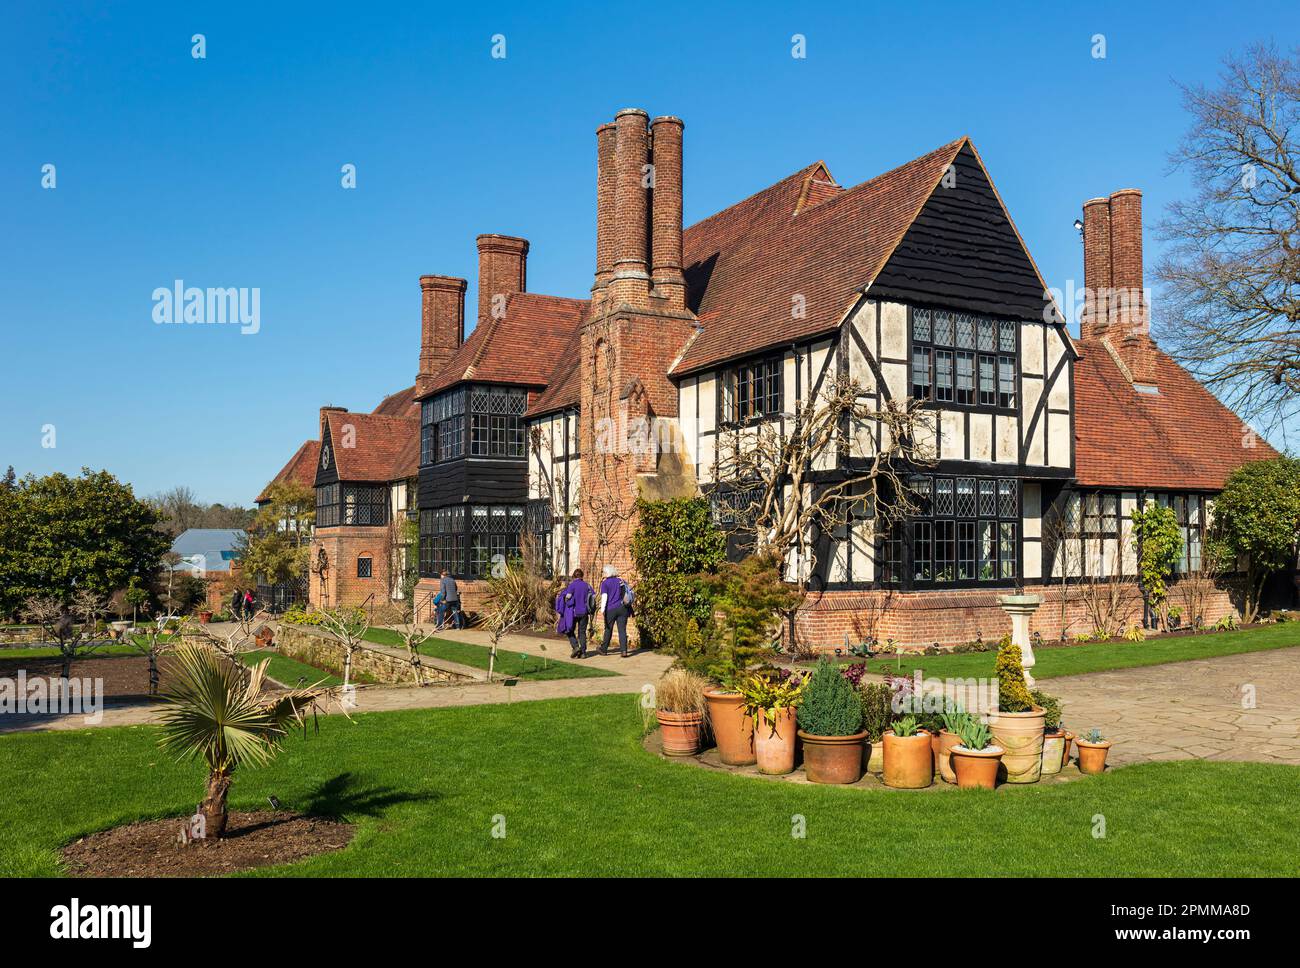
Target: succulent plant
974	734
1094	736
906	726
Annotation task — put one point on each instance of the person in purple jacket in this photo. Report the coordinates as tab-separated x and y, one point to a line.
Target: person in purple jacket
615	604
573	605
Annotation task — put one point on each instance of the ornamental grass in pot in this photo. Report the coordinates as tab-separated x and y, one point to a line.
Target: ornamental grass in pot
830	725
771	699
877	713
681	710
975	760
1093	748
1053	734
1018	724
909	763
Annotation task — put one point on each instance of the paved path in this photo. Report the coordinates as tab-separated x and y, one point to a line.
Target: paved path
633	672
1191	710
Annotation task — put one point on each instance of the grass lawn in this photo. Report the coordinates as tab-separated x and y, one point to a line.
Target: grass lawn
579	795
47	652
1075	659
508	663
287	671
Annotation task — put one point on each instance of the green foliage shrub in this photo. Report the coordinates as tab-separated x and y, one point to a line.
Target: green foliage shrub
674	544
1013	694
830	704
1052	706
877	709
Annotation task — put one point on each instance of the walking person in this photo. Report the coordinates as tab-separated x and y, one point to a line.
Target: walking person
616	606
236	604
448	600
574	605
250	607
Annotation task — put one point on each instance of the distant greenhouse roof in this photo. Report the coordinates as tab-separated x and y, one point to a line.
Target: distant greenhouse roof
206	549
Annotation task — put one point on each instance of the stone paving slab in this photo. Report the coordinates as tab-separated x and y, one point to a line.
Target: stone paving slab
1191	710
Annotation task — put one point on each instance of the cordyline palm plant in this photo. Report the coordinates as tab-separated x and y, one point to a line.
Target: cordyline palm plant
215	711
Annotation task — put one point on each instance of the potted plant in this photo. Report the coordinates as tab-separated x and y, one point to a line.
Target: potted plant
769	700
1053	735
909	763
680	709
1092	751
205	616
954	717
877	714
748	600
975	759
830	725
1018	724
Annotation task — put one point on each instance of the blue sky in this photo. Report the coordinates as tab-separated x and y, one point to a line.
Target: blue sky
225	171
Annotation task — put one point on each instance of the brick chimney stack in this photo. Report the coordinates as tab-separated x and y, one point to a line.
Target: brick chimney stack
324	412
502	271
1116	310
630	284
606	137
666	212
442	325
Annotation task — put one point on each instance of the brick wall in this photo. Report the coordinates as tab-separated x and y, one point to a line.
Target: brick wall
955	616
341	586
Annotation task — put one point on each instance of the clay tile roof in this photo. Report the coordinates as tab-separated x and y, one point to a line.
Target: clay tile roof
563	387
301	468
804	236
385	448
399	404
522	347
1181	438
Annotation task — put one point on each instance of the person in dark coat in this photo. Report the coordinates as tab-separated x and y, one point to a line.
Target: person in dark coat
236	603
573	605
615	597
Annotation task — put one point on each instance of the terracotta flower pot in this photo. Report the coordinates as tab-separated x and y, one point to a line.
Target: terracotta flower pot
1092	756
976	768
682	733
943	758
833	759
909	763
1021	737
873	756
1053	752
733	728
774	742
205	617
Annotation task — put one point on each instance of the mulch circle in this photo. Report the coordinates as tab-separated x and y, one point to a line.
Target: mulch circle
151	848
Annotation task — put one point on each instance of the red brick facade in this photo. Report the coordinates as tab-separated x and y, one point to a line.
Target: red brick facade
914	619
338	584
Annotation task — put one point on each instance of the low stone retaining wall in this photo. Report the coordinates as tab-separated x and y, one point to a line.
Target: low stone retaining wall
21	636
322	650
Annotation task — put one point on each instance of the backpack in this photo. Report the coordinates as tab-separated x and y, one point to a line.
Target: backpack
628	594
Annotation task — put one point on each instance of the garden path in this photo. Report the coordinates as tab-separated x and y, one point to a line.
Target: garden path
1239	707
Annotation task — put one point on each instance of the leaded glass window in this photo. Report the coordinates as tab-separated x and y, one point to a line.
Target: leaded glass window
752	391
497	422
968	532
960	376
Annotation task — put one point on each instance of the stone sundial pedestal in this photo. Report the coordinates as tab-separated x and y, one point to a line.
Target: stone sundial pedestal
1021	608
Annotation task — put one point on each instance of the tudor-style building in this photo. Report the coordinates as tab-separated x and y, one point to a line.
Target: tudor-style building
916	284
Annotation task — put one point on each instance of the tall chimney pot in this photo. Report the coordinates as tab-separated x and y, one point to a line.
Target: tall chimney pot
442	325
502	271
666	211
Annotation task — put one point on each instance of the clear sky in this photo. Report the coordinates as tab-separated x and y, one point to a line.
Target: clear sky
225	171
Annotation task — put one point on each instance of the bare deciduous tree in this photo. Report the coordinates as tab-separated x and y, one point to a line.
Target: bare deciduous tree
348	624
770	473
70	627
1232	275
